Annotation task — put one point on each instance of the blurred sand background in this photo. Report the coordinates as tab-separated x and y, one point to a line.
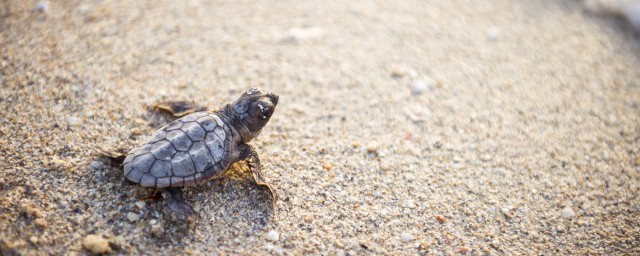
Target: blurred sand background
404	127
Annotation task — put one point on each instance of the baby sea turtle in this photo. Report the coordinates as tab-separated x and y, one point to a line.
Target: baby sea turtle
200	146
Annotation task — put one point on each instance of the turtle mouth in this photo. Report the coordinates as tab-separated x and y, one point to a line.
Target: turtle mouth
274	98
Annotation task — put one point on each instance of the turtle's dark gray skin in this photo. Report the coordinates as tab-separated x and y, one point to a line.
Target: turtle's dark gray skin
199	147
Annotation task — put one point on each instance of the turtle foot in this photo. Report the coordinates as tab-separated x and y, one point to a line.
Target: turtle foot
175	206
179	211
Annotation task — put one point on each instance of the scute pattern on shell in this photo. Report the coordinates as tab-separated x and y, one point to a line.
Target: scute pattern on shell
185	152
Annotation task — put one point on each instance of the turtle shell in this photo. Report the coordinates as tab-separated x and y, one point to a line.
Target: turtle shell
185	152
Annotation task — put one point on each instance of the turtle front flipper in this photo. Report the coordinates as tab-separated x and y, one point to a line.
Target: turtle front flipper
178	108
257	176
175	206
250	155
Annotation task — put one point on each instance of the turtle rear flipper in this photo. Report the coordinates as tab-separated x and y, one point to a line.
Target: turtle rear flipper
178	108
116	156
176	208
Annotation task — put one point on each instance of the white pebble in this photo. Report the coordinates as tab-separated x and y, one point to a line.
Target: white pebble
493	33
73	120
42	6
157	229
568	213
406	237
133	217
96	165
140	204
305	33
419	87
426	83
273	235
84	8
409	204
269	246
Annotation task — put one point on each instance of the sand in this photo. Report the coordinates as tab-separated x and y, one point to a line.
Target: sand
404	127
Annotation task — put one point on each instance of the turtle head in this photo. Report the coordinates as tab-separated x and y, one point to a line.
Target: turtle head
254	109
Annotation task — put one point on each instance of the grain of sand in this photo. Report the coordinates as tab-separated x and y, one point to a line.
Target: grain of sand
482	127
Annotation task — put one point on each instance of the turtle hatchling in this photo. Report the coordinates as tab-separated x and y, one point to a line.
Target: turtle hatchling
199	147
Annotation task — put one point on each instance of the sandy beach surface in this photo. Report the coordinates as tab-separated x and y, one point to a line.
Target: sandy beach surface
404	127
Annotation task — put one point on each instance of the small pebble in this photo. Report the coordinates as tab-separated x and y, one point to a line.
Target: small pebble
423	246
188	251
299	34
409	204
41	223
42	6
372	147
140	204
397	72
269	247
493	33
273	235
31	210
568	213
417	113
308	218
96	244
422	85
72	120
406	237
385	165
340	253
440	218
56	162
136	131
157	229
419	87
410	147
133	217
84	8
306	33
96	165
